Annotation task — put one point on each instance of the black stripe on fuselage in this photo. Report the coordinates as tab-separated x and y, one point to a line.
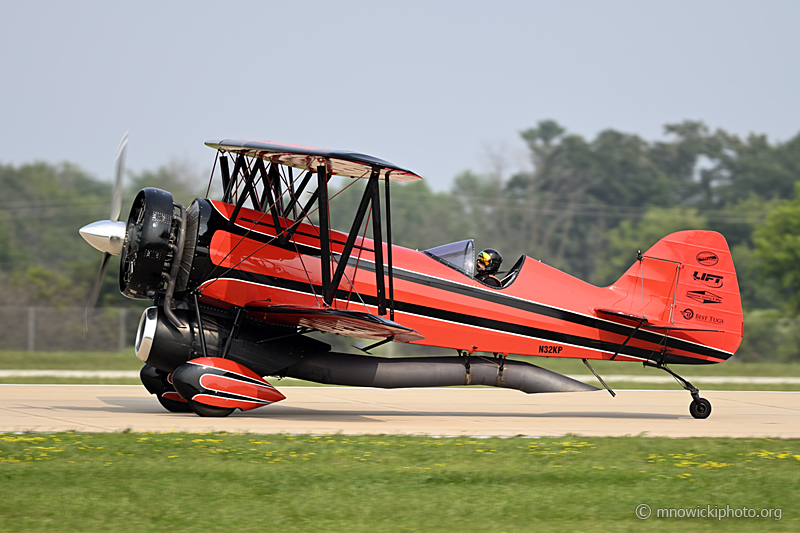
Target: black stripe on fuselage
494	297
545	310
471	320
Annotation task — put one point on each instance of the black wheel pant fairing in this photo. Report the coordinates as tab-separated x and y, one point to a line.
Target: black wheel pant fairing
366	371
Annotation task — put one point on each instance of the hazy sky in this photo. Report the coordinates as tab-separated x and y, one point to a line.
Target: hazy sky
427	85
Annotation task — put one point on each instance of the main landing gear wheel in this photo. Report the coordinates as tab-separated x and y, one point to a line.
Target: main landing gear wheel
202	409
174	406
157	382
700	408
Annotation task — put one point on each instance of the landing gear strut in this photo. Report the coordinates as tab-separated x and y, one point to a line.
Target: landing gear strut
700	407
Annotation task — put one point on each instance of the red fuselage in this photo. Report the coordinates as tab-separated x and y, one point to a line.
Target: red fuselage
542	312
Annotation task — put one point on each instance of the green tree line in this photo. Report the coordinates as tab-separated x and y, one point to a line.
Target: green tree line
582	205
43	259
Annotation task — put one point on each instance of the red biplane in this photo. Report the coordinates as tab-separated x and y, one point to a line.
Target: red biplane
241	282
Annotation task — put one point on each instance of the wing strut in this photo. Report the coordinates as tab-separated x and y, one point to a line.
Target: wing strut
377	239
269	200
389	247
275	180
371	197
324	233
226	176
266	200
303	210
290	207
249	191
240	165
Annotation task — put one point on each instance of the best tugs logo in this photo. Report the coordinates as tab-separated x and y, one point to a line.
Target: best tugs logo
689	314
707	258
709	319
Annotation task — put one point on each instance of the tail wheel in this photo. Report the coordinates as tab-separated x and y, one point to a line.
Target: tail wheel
700	408
202	409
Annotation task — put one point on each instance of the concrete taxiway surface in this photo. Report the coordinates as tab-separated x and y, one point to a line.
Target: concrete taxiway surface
586	378
412	412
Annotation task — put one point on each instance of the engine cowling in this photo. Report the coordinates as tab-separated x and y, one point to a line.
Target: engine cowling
162	345
267	351
146	252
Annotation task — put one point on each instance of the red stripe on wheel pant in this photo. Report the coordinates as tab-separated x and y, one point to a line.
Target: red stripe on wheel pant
260	393
217	401
173	396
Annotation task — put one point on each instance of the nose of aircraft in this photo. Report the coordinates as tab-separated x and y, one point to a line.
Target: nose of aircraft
105	235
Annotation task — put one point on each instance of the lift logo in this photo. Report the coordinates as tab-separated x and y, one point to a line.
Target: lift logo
707	258
712	280
704	297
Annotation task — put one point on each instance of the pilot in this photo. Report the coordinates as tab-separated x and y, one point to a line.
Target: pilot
487	265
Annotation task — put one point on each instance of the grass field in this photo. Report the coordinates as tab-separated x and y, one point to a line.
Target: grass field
69	361
239	482
127	361
236	482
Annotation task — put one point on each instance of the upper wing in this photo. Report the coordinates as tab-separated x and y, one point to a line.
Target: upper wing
338	162
339	321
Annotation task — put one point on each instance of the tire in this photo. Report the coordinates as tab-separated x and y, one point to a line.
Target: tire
202	409
700	408
174	406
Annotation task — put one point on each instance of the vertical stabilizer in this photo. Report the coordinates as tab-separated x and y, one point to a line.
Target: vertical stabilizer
687	279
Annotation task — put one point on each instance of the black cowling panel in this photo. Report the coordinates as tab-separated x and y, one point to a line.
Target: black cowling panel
266	351
147	244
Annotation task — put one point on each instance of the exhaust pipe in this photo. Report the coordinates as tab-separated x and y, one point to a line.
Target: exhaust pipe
364	371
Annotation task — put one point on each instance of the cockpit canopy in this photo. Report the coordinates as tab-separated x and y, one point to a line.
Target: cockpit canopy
458	255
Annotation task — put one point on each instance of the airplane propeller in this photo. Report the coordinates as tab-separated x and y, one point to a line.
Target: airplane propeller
108	236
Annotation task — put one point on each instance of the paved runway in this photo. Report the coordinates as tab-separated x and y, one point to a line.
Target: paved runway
586	378
478	412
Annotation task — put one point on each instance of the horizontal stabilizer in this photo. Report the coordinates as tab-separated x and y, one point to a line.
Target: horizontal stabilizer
621	316
644	323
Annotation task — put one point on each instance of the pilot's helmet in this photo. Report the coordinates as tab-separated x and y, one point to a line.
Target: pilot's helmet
489	261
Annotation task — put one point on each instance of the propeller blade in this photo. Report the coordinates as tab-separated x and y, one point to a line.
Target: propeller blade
98	282
116	198
107	235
